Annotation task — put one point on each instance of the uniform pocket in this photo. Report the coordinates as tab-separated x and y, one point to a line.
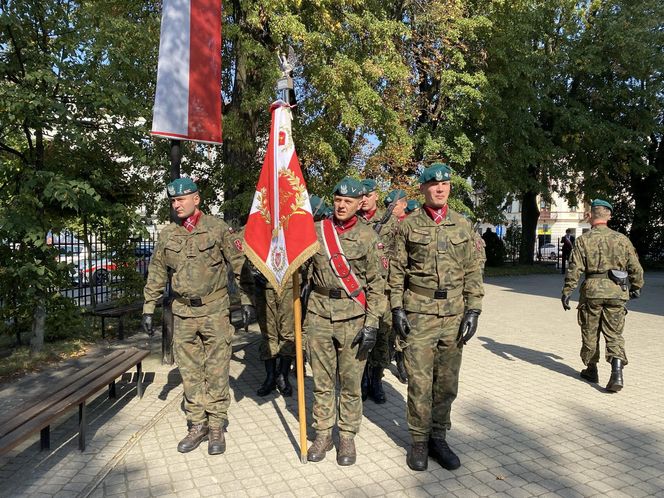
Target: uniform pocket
209	250
417	242
172	252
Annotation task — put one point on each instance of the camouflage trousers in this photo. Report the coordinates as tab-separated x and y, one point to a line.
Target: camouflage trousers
275	319
330	354
605	317
202	348
380	354
432	360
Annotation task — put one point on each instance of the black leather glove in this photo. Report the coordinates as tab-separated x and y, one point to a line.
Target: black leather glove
400	323
366	338
565	301
146	324
468	326
247	310
634	293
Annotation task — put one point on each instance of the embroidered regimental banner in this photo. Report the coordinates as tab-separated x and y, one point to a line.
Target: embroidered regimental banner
280	233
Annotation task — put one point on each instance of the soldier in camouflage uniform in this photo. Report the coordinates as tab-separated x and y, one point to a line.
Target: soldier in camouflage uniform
196	252
612	276
384	221
340	331
436	296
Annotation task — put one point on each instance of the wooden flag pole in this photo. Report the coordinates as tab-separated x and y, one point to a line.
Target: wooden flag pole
299	364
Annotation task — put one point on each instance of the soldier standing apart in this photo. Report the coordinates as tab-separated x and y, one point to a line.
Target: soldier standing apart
612	276
436	296
196	252
343	313
568	243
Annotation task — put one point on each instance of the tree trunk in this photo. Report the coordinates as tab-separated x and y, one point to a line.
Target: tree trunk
38	322
529	216
644	191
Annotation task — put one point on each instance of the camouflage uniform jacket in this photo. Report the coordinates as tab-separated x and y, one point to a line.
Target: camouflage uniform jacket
198	261
386	237
598	251
360	246
434	257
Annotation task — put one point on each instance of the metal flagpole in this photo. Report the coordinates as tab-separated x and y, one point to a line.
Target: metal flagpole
286	89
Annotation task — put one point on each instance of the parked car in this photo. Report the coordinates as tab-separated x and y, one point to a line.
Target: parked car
548	251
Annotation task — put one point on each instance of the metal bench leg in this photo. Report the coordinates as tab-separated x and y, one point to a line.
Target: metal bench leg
82	425
139	382
45	438
111	391
103	328
121	327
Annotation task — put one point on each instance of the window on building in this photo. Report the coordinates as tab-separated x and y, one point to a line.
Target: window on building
509	207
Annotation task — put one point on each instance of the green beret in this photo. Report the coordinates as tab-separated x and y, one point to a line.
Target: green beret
349	187
318	206
181	186
600	202
437	172
369	185
328	211
393	196
412	206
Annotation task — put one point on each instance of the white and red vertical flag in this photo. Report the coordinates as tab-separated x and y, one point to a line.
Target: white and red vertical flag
188	98
280	233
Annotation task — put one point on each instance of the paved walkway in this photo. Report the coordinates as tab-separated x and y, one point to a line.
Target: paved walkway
524	423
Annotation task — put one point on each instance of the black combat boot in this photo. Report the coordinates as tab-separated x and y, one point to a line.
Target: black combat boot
283	383
271	380
216	441
443	454
346	453
322	444
366	383
377	393
590	373
418	456
402	375
197	434
616	381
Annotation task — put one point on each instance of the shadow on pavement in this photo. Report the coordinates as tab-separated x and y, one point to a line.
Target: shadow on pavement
512	352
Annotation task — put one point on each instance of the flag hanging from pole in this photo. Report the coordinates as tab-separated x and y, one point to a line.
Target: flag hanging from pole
280	233
188	97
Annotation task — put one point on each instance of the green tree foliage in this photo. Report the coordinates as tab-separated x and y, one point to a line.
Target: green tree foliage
74	93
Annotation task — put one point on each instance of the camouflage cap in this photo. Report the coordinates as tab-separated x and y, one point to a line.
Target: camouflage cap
393	196
601	202
349	187
181	186
318	206
369	185
412	205
437	172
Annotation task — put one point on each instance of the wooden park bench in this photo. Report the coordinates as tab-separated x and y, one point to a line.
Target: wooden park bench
39	413
115	311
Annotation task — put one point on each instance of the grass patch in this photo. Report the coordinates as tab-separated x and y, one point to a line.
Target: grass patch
20	361
515	270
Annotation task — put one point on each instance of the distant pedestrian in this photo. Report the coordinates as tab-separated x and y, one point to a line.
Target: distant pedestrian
612	276
567	242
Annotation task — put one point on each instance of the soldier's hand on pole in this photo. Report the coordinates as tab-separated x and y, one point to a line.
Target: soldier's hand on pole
468	325
400	323
247	310
565	301
146	324
366	338
634	293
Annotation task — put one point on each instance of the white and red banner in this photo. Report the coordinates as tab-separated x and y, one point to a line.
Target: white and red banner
188	98
280	233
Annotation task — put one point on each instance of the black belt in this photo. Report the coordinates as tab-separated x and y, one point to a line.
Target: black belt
598	275
337	293
435	293
197	302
